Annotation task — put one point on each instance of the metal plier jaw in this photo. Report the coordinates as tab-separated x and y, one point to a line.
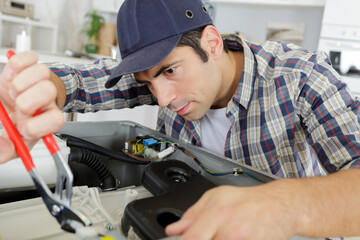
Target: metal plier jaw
60	210
58	206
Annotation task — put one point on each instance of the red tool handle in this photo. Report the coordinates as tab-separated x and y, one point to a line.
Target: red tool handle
49	139
10	53
13	133
15	137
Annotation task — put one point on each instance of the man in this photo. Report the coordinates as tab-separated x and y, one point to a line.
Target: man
277	107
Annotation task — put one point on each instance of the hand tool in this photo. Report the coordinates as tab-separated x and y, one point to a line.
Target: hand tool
60	209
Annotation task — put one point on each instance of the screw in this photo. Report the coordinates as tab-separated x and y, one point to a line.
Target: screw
109	227
55	210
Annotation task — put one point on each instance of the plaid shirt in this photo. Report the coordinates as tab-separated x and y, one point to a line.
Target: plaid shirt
291	114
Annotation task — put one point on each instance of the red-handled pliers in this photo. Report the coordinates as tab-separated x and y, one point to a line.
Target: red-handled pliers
59	208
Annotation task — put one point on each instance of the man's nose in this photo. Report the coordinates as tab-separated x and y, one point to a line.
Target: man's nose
164	94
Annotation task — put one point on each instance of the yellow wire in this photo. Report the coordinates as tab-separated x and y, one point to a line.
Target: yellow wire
137	151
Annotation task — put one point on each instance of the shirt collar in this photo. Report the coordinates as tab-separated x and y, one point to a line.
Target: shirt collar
245	88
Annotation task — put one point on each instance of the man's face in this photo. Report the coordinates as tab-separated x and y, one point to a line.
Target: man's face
183	83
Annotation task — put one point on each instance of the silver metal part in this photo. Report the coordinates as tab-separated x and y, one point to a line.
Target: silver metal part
64	175
61	211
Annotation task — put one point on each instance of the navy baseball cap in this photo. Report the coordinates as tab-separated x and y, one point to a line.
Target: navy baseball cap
148	30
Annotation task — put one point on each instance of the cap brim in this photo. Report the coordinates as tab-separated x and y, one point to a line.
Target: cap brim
143	59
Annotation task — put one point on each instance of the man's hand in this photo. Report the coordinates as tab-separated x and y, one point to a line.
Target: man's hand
312	207
236	213
24	88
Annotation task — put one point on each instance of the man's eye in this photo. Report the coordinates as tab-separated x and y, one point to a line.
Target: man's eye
170	71
143	82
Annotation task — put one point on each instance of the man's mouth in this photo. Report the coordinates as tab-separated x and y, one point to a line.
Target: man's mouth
183	110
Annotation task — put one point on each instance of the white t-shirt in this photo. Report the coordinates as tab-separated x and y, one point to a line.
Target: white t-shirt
214	129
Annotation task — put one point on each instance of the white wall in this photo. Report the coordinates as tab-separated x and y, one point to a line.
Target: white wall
252	20
230	17
68	15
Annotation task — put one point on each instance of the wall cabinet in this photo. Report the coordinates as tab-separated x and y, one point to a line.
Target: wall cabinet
43	35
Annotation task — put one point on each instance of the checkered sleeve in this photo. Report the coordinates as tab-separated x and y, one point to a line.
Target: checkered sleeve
86	92
330	116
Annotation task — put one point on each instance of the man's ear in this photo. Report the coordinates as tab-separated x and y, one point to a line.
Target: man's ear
211	41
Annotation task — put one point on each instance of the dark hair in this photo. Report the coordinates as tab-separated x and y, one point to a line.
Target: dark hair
192	39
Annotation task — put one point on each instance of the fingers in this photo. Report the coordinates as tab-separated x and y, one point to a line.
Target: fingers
7	149
50	120
203	228
21	82
180	226
229	212
18	63
12	70
189	217
209	220
40	95
25	86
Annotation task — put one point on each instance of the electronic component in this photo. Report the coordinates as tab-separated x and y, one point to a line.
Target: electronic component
130	145
148	148
149	141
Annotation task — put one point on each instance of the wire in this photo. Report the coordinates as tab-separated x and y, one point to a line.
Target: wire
234	172
72	141
142	152
166	141
250	175
137	145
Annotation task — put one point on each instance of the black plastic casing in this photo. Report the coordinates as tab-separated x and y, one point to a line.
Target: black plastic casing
175	186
